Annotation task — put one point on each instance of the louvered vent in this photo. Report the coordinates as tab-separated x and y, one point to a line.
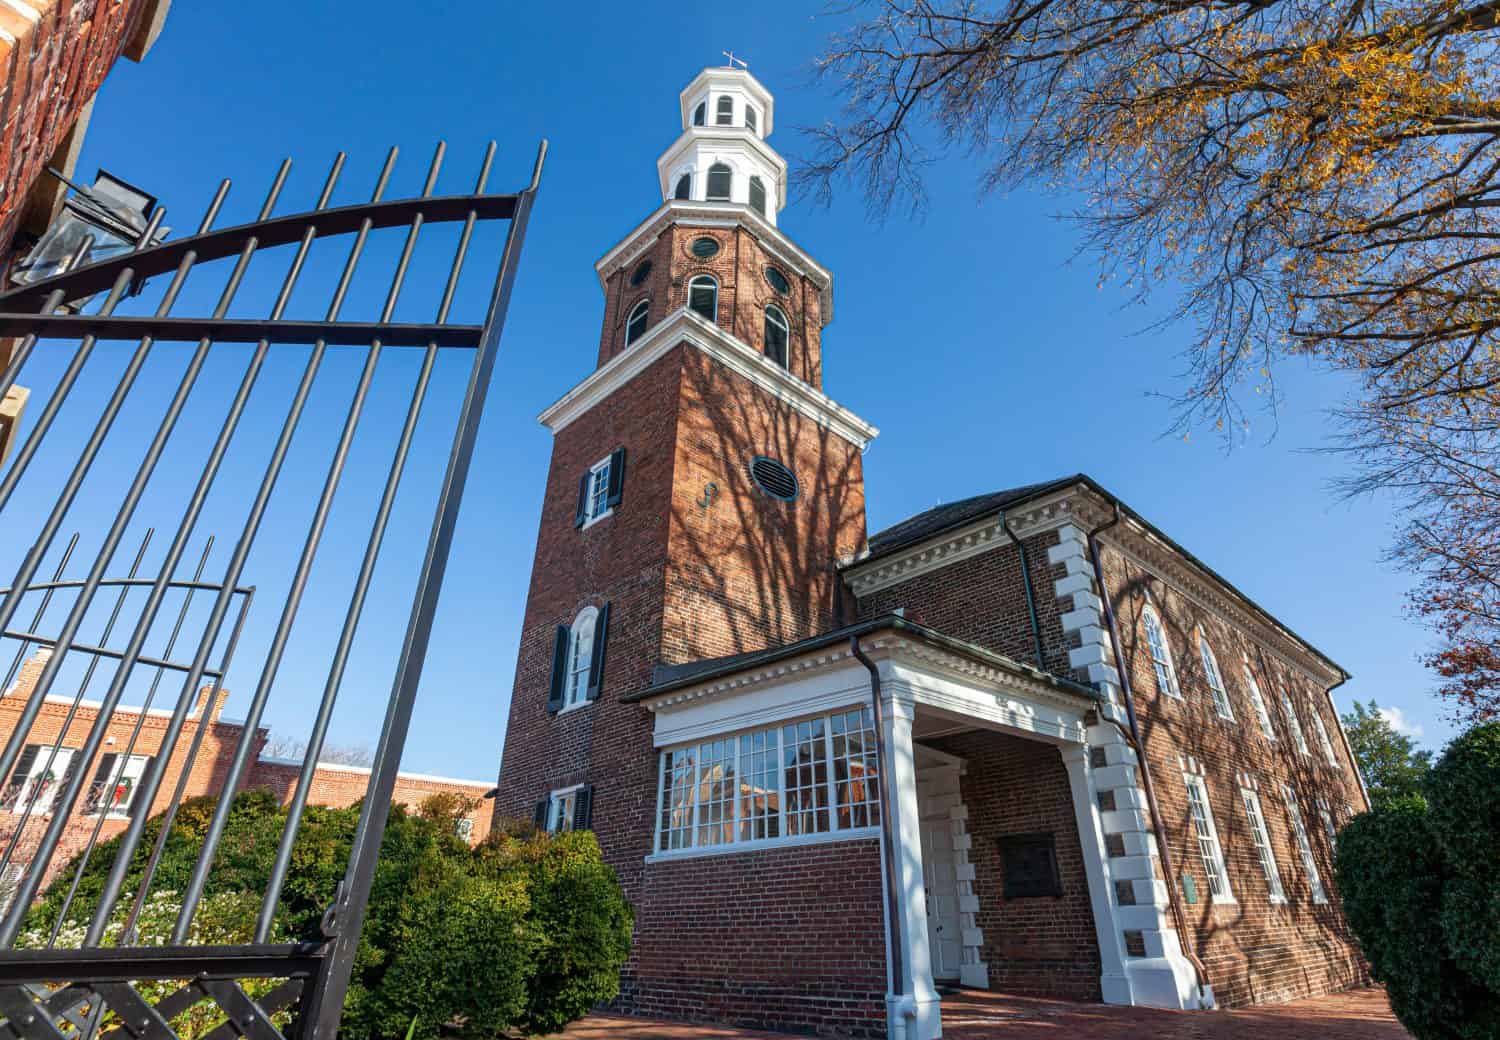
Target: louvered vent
773	478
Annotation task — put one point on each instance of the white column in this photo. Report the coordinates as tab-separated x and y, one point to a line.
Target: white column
915	1014
1114	983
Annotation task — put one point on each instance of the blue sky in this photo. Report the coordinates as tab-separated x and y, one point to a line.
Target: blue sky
984	355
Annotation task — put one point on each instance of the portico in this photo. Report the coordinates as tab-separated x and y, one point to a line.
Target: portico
744	731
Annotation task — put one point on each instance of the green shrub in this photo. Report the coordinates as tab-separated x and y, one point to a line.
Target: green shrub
1416	879
516	934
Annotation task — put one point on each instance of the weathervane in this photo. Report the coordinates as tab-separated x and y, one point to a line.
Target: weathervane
733	61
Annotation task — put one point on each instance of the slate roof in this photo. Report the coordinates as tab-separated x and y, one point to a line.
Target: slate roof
951	514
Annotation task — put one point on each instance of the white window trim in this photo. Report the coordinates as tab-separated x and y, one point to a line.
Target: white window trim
591	615
59	768
553	799
1294	724
1258	703
1304	845
1265	852
590	518
1196	784
1328	753
1213	675
630	320
783	840
1151	621
120	766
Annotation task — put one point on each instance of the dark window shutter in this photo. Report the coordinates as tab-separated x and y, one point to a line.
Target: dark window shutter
19	774
596	666
616	477
97	796
583	808
581	513
75	761
539	817
132	800
559	669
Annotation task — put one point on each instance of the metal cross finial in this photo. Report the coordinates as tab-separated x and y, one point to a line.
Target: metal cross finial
733	61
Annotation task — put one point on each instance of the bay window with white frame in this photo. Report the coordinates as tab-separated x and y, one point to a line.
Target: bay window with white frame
783	784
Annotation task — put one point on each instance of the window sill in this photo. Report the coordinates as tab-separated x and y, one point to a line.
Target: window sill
765	844
591	521
573	707
1228	900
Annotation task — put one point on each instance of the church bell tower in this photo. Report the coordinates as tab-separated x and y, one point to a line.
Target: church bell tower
702	488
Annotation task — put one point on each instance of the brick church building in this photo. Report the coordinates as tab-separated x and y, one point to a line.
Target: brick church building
1024	741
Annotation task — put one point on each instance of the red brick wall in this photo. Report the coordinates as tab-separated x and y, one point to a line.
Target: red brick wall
1044	946
982	599
1255	951
46	79
744	293
340	785
788	938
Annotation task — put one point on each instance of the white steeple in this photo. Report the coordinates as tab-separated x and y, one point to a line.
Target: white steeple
722	155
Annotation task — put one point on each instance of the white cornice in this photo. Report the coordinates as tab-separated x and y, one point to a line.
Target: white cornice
690	328
724	77
720	215
1087	509
897	646
961	543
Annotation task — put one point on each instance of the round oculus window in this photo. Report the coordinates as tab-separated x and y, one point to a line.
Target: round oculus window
640	274
774	478
705	247
778	281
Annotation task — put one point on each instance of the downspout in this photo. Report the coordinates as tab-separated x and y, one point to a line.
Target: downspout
1036	628
1344	738
887	845
1134	736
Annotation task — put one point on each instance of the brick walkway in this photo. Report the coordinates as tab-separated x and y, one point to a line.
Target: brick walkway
1357	1015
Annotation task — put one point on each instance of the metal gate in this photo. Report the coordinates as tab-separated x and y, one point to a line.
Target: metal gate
129	383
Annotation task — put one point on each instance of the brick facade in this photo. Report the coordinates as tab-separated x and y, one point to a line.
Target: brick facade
1040	945
332	785
54	54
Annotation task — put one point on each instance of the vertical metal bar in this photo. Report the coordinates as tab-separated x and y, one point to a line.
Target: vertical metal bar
36	620
54	300
153	776
325	1003
88	849
83	687
361	586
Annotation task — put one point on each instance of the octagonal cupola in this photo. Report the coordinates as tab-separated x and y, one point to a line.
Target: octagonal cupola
722	155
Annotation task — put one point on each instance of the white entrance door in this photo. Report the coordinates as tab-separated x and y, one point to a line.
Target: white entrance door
941	880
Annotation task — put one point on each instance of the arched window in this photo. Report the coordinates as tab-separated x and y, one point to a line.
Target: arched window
580	657
1214	677
635	325
758	195
1161	653
1258	702
776	335
700	114
703	296
684	188
724	115
751	120
720	180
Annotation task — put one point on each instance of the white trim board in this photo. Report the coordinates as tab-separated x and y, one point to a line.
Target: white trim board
684	326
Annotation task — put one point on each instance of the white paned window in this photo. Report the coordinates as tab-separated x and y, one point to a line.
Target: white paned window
1161	653
1259	704
580	657
1323	741
1304	847
810	777
1292	723
1262	838
38	776
1208	839
116	783
596	504
1214	678
560	810
1330	829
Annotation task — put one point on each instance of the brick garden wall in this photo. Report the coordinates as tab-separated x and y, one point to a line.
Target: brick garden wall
788	938
342	785
1040	946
